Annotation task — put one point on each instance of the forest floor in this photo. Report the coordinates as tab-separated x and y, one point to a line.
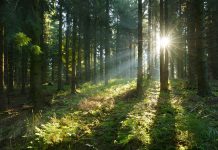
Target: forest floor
112	117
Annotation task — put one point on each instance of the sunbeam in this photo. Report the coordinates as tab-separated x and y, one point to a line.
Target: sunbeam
164	41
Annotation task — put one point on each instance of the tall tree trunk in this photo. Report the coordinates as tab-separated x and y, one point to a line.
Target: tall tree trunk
130	57
162	85
149	41
44	47
101	54
95	48
95	62
87	58
202	70
35	77
140	52
117	54
79	61
107	48
53	68
10	83
5	63
36	58
73	85
191	47
212	40
24	63
172	67
166	57
1	59
67	47
180	53
60	86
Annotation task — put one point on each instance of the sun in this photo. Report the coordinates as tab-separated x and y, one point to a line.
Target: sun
164	41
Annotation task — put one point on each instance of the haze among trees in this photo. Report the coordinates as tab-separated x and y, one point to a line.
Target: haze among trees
108	74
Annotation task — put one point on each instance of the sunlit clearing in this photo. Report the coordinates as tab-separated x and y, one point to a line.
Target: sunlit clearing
164	42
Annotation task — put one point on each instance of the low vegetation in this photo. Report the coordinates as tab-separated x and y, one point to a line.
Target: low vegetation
112	117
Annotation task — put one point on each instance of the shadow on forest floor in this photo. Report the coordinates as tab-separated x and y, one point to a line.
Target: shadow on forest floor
112	117
162	131
104	133
175	120
85	115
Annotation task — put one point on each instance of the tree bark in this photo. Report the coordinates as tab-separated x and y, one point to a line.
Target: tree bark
24	63
60	86
101	54
191	47
107	48
87	58
73	84
10	83
162	85
95	48
202	70
1	59
149	42
44	47
67	48
35	79
140	52
166	54
79	61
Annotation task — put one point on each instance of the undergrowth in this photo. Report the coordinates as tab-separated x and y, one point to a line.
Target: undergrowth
112	117
175	120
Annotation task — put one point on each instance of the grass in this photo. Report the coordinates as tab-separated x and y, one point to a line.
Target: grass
112	117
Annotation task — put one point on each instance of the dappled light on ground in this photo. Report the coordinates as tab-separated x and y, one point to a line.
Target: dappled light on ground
87	114
112	117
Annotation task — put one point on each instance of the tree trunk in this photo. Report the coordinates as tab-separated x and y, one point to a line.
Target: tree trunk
202	70
95	48
166	55
67	47
162	85
172	75
180	53
24	63
101	54
73	85
35	79
87	58
212	40
44	47
140	53
117	60
60	86
79	61
1	59
5	63
130	57
191	47
107	48
10	82
53	68
149	41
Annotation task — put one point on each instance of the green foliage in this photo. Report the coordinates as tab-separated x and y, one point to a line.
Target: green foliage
58	130
175	122
21	39
137	125
82	113
36	50
110	117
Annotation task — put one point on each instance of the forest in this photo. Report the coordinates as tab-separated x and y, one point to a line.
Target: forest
109	74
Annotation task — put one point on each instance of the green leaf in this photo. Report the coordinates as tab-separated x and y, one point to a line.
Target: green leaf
21	39
36	50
